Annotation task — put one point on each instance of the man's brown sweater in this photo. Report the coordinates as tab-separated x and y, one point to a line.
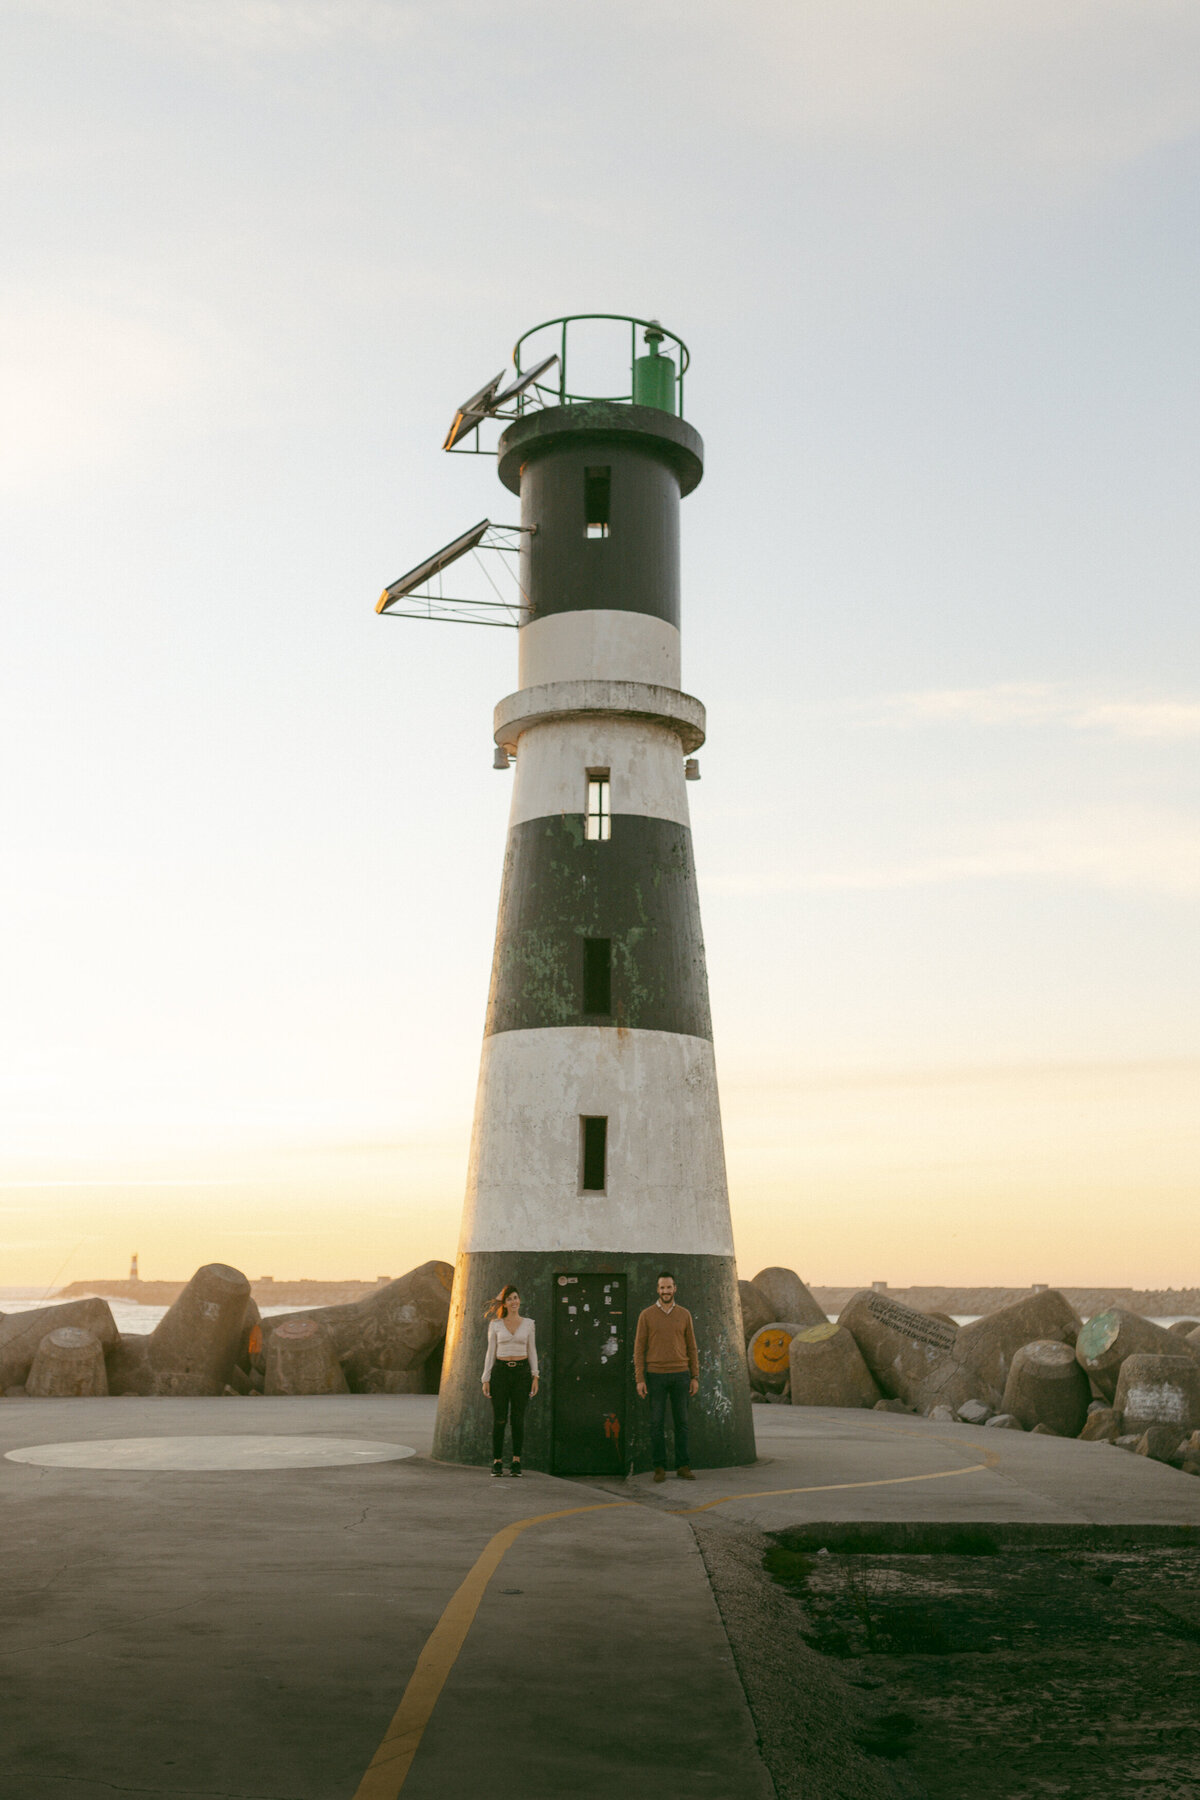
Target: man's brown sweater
665	1343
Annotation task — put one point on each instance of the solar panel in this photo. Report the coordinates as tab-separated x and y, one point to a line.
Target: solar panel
432	566
472	412
524	381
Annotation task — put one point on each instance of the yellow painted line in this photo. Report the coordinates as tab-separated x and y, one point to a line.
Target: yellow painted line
389	1767
830	1487
990	1460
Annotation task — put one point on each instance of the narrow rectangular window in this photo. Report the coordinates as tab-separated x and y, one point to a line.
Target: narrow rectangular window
594	1136
597	484
599	807
597	975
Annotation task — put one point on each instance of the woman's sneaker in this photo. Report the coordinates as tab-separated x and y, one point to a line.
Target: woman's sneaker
516	1466
497	1467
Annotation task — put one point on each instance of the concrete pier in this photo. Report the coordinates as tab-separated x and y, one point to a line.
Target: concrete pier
227	1624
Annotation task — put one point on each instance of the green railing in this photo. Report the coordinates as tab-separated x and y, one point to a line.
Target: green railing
646	385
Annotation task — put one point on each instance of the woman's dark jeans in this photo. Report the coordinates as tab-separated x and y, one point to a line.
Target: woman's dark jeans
673	1387
510	1384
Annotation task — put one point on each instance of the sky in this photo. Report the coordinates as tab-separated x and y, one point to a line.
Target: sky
936	262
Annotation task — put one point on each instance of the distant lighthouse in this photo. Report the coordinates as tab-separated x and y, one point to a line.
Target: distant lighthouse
597	1159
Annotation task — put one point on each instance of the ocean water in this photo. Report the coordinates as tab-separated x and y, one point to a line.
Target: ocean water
129	1316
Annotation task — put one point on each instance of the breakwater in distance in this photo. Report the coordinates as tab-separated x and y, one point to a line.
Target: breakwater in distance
1087	1301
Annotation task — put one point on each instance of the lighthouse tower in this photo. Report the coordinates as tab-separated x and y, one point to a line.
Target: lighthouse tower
596	1158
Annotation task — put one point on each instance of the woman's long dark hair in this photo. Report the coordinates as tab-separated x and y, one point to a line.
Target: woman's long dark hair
495	1308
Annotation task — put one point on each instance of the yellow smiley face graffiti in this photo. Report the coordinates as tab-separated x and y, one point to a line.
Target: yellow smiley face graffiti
771	1348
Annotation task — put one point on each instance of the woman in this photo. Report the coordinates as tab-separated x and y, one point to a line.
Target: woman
510	1374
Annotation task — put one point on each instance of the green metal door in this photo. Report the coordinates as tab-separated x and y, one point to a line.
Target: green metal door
591	1375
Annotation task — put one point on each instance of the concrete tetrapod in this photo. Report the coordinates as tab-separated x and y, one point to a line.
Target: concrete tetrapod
383	1340
1158	1390
193	1348
768	1356
788	1297
913	1357
302	1359
1111	1336
1046	1386
757	1310
827	1369
990	1343
21	1333
69	1365
1184	1327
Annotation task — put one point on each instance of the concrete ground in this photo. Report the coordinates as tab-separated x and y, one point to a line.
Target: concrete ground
250	1632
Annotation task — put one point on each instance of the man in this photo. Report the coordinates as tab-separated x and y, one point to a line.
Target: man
666	1366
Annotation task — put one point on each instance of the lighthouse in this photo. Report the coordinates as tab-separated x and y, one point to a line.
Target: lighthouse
596	1159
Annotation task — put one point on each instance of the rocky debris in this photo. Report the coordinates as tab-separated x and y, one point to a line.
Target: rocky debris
1154	1303
757	1310
1005	1422
894	1405
1106	1341
213	1340
827	1369
384	1340
911	1356
974	1412
1128	1440
941	1415
1041	1430
1047	1386
193	1348
1190	1447
788	1297
1102	1425
1159	1390
21	1333
768	1355
988	1345
1159	1441
302	1358
67	1365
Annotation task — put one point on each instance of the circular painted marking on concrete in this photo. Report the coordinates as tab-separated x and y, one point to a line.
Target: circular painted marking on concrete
817	1334
198	1453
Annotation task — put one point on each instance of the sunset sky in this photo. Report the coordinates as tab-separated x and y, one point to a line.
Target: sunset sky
937	262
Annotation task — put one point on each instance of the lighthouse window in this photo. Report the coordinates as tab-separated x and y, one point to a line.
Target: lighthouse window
599	809
597	975
594	1139
596	486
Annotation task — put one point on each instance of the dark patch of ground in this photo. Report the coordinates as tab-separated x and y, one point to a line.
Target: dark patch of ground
1020	1675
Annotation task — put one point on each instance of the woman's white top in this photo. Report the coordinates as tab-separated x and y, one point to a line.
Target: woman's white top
510	1346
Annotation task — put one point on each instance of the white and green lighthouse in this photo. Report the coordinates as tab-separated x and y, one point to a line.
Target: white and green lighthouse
596	1157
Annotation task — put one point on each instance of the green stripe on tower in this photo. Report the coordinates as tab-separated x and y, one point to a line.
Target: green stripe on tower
636	892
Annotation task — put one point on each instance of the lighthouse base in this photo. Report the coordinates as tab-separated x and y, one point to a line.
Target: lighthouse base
586	1418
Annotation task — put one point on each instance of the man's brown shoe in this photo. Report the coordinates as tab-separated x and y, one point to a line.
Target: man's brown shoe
660	1474
684	1473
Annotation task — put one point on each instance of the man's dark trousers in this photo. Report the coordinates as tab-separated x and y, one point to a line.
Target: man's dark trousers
662	1388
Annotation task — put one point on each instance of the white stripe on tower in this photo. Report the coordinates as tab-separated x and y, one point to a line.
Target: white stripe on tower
665	1187
644	761
599	644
